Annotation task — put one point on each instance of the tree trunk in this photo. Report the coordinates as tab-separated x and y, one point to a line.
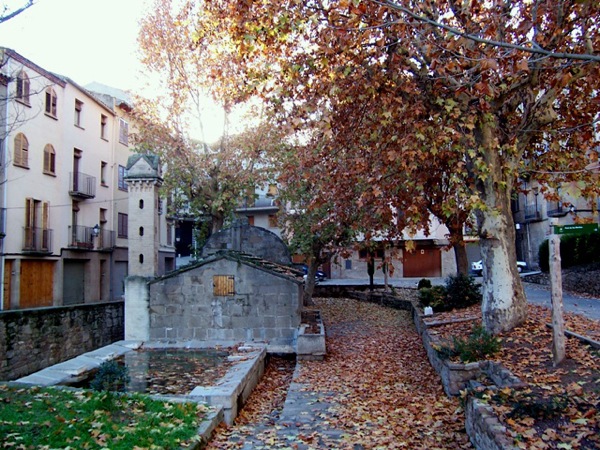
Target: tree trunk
460	256
309	284
217	223
504	303
460	251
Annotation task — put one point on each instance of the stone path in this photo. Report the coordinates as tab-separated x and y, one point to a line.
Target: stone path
376	389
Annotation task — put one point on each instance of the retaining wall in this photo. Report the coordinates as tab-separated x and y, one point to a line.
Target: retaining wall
33	339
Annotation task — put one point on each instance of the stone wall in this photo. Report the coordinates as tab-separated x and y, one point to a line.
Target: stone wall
32	339
264	307
251	240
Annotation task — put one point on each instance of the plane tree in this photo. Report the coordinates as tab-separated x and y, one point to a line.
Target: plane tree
494	82
202	179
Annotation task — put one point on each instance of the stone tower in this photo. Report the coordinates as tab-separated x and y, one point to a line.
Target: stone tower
143	181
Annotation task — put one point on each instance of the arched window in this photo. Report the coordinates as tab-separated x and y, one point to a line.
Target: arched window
49	159
21	156
51	102
141	204
23	87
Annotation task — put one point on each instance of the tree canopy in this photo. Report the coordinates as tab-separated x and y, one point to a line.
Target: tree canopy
398	91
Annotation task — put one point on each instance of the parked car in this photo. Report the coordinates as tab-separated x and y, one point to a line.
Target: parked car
319	276
477	267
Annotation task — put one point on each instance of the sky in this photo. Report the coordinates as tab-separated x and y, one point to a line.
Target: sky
87	40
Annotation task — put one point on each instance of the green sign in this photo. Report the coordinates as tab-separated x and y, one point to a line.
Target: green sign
584	228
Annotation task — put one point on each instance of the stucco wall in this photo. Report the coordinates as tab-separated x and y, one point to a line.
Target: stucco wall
265	307
33	339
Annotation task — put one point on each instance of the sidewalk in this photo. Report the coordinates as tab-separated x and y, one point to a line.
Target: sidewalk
535	293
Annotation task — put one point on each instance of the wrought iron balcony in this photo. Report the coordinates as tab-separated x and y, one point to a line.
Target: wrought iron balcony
82	185
37	240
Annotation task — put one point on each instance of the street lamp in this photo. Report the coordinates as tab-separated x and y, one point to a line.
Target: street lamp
96	231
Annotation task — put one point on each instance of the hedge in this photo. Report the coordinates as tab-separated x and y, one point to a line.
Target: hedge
575	250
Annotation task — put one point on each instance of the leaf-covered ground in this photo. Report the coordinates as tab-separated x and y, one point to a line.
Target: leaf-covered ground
560	407
382	389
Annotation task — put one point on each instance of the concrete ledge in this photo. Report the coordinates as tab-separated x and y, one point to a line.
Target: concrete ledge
310	344
235	387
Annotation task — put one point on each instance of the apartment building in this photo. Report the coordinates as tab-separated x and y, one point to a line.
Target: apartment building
63	194
535	216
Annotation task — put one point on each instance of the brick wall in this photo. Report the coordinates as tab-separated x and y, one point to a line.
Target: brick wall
33	339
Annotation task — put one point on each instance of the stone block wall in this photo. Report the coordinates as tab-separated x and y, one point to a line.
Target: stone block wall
254	241
264	308
33	339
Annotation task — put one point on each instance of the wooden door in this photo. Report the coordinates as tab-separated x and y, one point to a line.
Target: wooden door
424	262
36	283
8	268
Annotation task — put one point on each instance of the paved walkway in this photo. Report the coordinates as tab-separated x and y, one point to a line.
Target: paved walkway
376	389
541	295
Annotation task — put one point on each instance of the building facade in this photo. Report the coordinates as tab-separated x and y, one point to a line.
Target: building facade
63	194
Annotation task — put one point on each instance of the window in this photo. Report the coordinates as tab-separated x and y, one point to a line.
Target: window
122	226
251	220
273	221
272	192
21	156
51	102
122	175
102	215
103	166
223	285
123	132
49	159
23	87
78	112
103	126
169	234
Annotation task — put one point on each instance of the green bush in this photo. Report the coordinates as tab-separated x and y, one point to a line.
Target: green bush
575	250
424	283
111	376
477	346
433	296
462	291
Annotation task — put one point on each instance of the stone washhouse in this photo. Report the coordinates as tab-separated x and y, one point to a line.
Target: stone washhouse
243	290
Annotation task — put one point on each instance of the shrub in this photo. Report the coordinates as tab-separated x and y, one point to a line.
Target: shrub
424	283
477	346
462	291
433	296
111	376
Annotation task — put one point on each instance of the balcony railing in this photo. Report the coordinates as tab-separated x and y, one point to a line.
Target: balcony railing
37	240
532	213
83	237
556	209
106	239
261	203
82	185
